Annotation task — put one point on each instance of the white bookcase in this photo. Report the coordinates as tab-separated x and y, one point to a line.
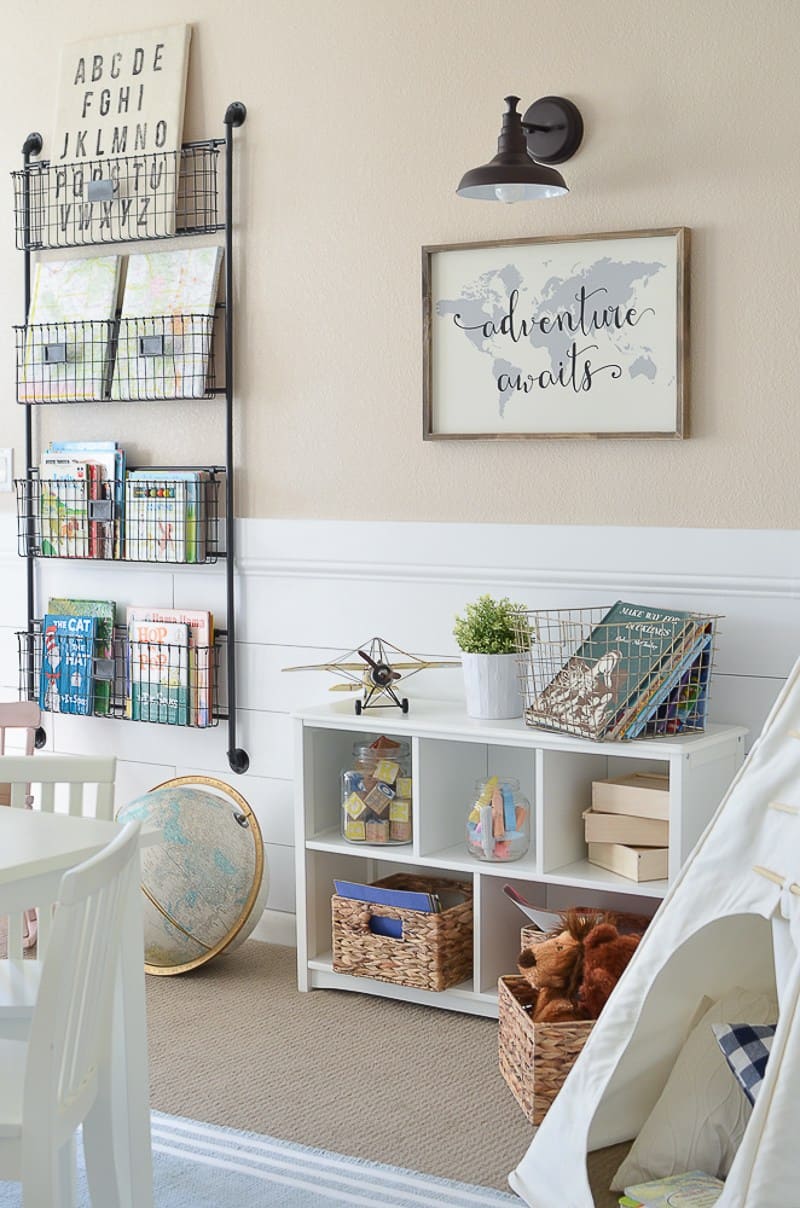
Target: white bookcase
449	752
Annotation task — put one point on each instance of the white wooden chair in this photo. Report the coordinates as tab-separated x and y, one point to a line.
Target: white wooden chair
89	790
25	716
60	1077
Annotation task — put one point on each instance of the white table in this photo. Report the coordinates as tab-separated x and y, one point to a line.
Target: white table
35	850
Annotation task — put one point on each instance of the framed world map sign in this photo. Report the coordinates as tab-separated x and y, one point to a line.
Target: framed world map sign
584	336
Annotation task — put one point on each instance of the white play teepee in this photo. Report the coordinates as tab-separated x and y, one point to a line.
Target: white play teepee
732	918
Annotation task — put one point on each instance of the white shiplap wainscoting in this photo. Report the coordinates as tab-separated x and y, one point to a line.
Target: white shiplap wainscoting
308	590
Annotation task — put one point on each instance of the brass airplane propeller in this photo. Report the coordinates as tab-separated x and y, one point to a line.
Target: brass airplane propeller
375	676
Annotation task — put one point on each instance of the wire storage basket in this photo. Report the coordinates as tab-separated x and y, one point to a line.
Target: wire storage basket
613	673
118	197
130	359
68	669
165	515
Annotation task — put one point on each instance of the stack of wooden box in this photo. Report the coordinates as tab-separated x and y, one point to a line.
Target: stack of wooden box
627	828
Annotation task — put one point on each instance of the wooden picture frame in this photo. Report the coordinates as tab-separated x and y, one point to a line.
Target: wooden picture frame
581	336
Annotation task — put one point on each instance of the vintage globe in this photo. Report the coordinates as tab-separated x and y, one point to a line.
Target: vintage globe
205	882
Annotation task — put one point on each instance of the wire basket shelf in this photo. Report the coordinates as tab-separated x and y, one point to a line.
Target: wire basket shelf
615	674
148	680
118	198
127	360
171	517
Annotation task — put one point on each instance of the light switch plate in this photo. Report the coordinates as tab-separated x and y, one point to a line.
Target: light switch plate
6	469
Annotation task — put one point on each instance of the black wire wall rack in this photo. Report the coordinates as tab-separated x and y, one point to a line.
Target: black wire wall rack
149	679
155	518
124	198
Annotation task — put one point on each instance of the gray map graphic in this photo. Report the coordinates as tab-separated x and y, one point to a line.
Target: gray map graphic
487	299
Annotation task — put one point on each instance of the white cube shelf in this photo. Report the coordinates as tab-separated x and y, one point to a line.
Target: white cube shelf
449	752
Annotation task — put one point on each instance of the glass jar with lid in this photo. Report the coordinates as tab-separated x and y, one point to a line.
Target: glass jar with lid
498	820
376	792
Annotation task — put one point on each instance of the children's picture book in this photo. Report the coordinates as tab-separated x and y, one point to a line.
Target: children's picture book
696	1189
110	457
598	685
189	526
165	330
402	898
118	128
63	506
694	660
103	611
68	338
158	665
65	682
155	520
200	627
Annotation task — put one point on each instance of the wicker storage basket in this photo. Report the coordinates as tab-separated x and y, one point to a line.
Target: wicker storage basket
435	950
534	1058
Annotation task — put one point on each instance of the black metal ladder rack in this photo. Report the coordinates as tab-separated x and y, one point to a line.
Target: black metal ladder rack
29	185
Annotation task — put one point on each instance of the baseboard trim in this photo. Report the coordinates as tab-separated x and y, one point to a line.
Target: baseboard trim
276	927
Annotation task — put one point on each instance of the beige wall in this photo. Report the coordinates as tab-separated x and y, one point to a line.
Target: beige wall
362	117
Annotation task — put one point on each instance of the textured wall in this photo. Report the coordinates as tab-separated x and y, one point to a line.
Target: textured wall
362	117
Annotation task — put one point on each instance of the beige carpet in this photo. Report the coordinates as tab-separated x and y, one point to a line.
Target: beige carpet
235	1043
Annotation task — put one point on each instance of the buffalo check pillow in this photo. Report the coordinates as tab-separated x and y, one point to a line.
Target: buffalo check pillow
746	1048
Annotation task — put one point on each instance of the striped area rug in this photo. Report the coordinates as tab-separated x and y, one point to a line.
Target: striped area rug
206	1166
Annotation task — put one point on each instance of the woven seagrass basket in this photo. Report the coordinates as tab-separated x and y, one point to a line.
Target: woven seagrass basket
534	1058
434	952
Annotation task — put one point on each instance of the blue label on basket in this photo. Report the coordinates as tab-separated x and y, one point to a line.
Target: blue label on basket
391	927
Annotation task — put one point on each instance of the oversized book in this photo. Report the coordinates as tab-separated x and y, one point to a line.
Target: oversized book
158	659
64	506
593	693
165	333
200	626
65	682
68	337
103	611
182	496
155	520
115	150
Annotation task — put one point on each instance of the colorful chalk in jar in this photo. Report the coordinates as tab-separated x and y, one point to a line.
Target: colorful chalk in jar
499	820
376	793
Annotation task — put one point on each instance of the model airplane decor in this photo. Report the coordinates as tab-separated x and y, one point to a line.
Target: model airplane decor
381	666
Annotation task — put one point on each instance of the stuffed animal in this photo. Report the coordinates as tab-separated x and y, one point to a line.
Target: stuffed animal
606	954
554	967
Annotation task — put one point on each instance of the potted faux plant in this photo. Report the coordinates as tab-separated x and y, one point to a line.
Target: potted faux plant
489	634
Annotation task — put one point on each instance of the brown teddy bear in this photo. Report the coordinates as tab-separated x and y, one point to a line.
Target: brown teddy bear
554	967
606	954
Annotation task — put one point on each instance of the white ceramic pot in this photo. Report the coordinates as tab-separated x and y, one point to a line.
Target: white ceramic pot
491	682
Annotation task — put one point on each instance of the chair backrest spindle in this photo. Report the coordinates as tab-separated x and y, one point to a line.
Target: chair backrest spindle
71	1026
45	773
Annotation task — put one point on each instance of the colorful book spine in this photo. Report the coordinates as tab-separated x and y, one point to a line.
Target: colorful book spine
66	680
112	458
696	651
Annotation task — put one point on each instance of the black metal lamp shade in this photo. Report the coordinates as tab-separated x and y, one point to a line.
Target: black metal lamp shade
551	130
